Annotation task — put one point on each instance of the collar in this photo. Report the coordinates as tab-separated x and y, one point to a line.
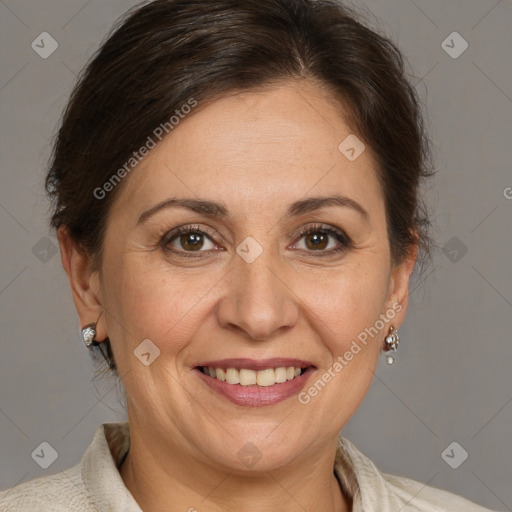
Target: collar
100	469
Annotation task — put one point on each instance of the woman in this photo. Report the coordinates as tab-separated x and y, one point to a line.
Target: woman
236	194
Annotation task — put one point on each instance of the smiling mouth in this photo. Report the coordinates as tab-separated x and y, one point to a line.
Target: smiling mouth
259	378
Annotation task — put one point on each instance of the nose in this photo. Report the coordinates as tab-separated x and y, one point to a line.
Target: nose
258	300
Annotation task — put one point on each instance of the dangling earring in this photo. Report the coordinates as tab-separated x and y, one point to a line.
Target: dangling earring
88	334
392	342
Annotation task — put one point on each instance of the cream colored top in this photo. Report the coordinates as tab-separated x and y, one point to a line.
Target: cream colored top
95	484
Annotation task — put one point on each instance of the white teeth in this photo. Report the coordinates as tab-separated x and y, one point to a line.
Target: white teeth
266	377
280	374
246	377
232	376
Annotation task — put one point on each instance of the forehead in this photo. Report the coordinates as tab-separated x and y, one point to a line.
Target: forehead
251	148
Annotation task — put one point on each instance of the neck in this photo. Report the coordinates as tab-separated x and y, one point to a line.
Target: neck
158	482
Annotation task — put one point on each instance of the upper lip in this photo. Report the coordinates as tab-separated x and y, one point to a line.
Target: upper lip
256	364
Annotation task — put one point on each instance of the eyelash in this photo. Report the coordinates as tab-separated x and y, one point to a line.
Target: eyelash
343	239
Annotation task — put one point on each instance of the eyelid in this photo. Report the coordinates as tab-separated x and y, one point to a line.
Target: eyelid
342	238
186	228
344	244
327	228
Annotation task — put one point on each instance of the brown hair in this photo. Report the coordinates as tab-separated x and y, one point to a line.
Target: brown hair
163	53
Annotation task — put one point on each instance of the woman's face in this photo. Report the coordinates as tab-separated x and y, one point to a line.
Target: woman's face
247	284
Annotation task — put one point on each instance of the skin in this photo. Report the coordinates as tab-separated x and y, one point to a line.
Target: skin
269	147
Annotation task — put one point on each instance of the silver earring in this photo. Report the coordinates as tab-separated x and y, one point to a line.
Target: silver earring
392	342
88	334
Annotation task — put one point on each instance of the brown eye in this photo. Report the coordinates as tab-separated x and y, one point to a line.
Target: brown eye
317	240
191	241
186	240
324	241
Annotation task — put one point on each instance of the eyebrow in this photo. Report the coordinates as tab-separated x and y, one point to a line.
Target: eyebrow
219	210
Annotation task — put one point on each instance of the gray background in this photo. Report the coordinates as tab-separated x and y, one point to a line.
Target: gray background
452	380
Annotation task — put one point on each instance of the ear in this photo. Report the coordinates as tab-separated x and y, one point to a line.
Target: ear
398	297
84	282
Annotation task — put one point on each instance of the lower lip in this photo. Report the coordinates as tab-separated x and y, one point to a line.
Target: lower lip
256	396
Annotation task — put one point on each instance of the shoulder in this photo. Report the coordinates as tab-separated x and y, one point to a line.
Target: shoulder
423	498
373	489
59	492
95	479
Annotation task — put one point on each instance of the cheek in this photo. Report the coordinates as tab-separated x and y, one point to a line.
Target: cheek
155	302
170	305
345	302
345	312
